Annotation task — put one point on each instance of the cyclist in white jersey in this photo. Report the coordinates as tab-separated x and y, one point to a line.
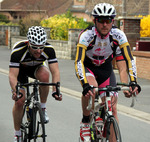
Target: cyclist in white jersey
97	46
27	60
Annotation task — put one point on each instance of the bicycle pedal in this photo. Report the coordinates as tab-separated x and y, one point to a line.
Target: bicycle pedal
46	122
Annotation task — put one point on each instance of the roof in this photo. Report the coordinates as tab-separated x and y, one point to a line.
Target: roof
52	6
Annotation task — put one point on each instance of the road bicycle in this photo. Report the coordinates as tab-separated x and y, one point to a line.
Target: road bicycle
103	125
33	121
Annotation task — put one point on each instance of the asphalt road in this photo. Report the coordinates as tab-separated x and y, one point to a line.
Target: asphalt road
65	117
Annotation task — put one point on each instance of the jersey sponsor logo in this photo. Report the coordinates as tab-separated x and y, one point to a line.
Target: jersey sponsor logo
98	62
133	68
80	71
121	41
98	50
31	63
90	38
102	44
105	43
117	36
99	44
83	41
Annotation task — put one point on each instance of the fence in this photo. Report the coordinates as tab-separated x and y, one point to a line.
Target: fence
6	32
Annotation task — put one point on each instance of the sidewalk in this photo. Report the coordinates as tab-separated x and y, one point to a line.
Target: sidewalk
70	85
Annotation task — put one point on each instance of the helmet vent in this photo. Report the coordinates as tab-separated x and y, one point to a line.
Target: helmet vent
114	12
104	9
99	10
109	10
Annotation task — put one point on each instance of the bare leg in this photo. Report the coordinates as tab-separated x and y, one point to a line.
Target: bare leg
42	75
93	82
18	112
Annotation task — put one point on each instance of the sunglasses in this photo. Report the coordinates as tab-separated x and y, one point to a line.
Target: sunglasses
37	47
104	20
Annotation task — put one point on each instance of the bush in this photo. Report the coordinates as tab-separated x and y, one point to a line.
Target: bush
4	18
145	26
59	25
28	22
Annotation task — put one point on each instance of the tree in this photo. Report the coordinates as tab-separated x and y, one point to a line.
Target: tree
4	18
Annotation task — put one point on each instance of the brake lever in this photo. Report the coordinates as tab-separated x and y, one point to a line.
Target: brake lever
19	94
58	89
134	97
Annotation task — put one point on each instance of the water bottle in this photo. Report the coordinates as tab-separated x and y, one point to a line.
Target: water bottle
30	109
28	114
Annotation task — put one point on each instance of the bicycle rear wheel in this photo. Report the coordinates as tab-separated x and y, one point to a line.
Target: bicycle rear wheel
38	125
112	130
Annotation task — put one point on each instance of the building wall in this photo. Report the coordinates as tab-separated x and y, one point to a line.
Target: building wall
83	15
142	63
131	27
138	7
80	2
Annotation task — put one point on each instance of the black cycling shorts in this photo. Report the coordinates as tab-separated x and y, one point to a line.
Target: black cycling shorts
101	73
25	72
103	79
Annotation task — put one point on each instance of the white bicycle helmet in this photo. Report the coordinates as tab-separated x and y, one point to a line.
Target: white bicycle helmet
37	35
104	9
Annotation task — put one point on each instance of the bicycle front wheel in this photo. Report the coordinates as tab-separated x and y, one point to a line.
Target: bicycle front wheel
25	126
38	125
112	131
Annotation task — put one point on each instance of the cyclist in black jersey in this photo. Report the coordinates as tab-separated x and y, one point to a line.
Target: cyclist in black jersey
28	60
96	47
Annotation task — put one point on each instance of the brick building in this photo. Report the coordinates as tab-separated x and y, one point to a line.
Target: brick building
83	8
17	9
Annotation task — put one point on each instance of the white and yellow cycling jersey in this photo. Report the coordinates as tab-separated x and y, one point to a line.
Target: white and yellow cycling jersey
93	51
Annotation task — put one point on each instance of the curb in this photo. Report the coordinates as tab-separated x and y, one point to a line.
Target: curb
123	109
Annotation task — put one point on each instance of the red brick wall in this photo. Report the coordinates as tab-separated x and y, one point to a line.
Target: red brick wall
131	27
142	59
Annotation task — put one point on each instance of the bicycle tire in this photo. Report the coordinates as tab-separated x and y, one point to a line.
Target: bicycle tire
25	126
112	122
38	125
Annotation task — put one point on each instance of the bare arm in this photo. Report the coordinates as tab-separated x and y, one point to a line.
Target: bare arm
54	69
122	67
13	74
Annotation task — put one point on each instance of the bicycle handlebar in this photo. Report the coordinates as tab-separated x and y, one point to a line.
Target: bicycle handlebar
35	84
108	89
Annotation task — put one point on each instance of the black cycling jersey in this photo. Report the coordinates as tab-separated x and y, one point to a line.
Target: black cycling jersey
20	55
